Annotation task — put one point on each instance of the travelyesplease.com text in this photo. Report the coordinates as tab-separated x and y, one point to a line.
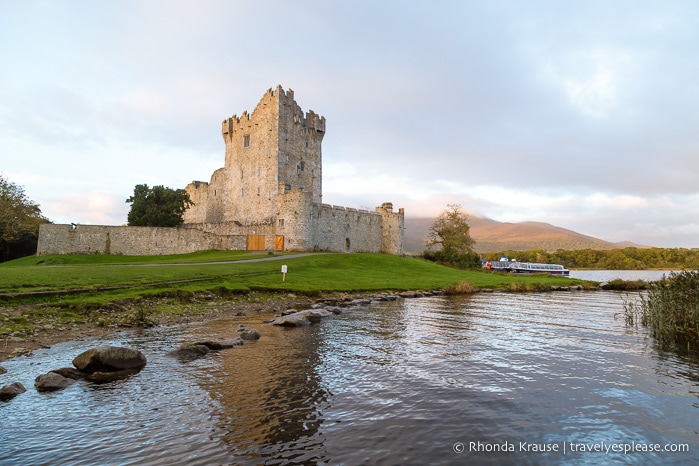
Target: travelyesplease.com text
569	447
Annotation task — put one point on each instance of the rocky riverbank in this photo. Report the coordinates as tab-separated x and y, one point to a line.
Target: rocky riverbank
168	311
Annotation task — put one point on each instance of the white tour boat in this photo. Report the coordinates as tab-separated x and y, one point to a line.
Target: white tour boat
506	265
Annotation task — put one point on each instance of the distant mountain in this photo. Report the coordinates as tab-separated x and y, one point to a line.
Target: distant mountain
494	236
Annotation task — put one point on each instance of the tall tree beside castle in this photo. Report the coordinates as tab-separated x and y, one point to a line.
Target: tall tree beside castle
157	206
20	218
450	239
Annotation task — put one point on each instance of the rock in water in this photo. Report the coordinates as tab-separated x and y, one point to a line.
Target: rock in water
189	352
111	376
292	320
51	382
301	318
219	345
69	373
10	391
247	333
109	358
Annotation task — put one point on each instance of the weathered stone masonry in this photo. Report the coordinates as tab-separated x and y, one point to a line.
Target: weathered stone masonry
267	196
130	241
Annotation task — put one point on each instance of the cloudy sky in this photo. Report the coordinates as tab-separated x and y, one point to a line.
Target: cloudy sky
582	114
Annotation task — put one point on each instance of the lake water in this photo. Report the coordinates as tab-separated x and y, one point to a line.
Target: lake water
439	380
609	275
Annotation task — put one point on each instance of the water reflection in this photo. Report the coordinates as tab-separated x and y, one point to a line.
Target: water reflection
269	396
392	383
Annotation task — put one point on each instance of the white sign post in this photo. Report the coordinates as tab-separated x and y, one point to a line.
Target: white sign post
284	269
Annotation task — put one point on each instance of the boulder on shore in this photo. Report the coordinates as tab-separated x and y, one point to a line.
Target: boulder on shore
10	391
109	359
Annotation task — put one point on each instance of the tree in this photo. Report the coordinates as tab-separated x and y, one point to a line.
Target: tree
19	222
157	206
450	235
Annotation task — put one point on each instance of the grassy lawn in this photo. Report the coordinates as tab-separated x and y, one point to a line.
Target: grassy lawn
74	287
310	274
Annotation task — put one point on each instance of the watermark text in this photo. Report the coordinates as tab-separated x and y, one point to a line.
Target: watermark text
569	447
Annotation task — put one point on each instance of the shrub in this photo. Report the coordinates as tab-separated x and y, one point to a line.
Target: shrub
518	287
142	315
625	285
459	261
670	310
460	288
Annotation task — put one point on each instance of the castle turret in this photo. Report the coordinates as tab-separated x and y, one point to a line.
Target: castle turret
392	229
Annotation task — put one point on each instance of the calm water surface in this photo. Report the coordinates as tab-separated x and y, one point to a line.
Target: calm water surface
609	275
420	381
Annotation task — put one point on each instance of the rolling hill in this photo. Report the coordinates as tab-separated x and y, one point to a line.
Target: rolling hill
493	236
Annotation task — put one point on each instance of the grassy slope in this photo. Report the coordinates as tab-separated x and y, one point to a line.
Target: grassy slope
310	274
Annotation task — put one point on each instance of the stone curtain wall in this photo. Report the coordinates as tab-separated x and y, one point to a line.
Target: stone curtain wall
345	229
235	236
304	225
130	241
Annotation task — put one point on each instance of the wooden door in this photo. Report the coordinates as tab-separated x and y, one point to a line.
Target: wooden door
256	242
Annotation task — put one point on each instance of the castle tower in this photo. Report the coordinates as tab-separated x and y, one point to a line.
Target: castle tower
275	144
392	229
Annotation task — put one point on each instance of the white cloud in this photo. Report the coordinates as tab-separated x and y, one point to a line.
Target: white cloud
88	207
594	83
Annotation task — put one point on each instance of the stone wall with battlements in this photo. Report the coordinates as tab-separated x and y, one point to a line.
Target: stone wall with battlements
128	241
346	229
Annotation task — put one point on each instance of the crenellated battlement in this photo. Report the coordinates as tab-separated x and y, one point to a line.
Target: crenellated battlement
336	210
273	100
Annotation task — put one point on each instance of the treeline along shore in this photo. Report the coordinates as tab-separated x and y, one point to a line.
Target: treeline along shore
613	259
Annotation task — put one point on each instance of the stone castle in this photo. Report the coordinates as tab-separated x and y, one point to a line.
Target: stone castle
268	196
